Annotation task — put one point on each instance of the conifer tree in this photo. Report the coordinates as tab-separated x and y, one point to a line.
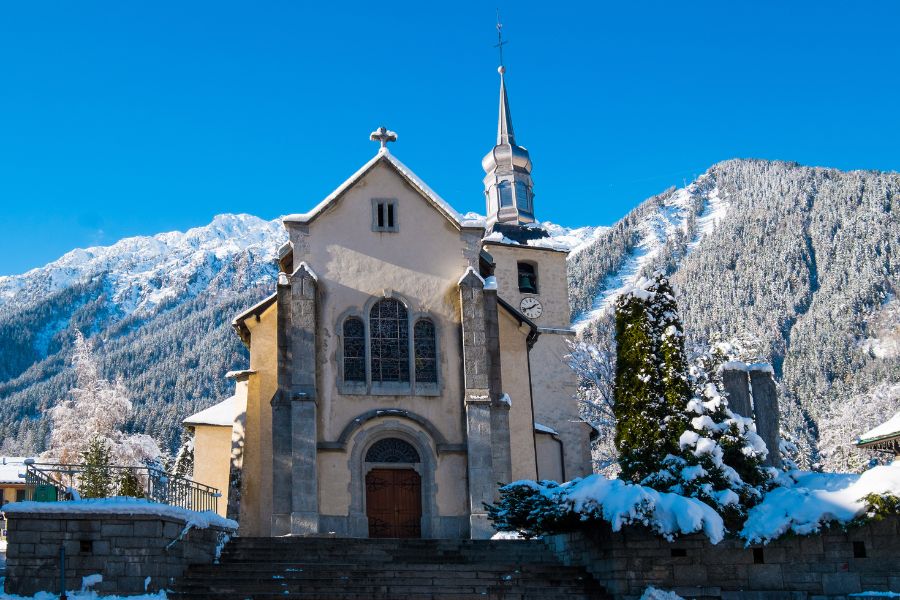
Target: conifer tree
129	484
95	481
651	389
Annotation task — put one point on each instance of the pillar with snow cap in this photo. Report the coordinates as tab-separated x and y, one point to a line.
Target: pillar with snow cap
737	386
765	404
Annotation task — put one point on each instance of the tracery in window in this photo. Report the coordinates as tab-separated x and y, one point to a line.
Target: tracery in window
354	350
392	450
389	332
425	346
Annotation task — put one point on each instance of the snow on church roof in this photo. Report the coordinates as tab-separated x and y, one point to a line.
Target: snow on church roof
413	179
217	414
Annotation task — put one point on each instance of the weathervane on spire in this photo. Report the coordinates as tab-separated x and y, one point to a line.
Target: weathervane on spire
500	42
383	135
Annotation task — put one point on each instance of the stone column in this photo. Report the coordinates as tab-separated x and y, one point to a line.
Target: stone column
765	403
303	405
281	415
477	402
737	385
500	451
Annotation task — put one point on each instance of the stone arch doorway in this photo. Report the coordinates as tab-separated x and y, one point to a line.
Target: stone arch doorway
393	485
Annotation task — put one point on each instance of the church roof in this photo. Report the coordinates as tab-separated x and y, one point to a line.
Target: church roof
384	155
254	311
218	414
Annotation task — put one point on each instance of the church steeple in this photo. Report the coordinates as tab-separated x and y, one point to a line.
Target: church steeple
507	183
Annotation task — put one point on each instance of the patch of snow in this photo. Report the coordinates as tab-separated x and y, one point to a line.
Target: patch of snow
656	230
490	283
507	535
222	414
811	500
545	429
305	265
466	274
652	593
12	469
89	581
762	368
505	399
734	365
124	506
888	428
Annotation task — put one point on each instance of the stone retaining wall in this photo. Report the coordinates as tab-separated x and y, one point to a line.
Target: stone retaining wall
830	565
125	549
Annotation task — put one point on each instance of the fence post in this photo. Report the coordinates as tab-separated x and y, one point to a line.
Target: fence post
62	573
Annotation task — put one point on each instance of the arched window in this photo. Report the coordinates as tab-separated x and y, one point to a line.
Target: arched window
392	450
523	198
527	278
354	350
425	346
389	331
506	193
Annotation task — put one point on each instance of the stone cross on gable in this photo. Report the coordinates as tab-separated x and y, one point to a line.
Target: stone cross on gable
384	136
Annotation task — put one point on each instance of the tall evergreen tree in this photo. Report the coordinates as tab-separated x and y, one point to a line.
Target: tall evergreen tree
651	388
96	480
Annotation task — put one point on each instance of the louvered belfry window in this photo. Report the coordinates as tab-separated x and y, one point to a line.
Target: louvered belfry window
389	330
354	350
426	351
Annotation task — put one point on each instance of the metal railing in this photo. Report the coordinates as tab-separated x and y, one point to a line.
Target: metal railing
152	483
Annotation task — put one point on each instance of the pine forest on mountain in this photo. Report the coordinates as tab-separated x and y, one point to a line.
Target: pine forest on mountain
792	265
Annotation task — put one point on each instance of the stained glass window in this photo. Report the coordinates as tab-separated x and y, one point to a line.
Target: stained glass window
426	351
389	331
354	350
392	450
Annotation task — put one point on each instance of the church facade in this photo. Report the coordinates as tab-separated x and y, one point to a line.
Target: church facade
409	360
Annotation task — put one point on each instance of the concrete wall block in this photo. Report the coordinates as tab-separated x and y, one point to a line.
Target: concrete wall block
691	575
765	577
116	529
83	526
148	528
841	583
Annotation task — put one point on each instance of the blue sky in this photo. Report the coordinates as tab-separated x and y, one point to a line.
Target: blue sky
131	118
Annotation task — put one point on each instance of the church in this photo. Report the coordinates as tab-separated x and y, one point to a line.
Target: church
409	361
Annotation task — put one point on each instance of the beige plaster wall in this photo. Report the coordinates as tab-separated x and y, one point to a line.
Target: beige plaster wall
212	459
421	263
515	376
256	476
554	384
550	459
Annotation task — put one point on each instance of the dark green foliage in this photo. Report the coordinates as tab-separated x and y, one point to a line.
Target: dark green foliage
96	480
129	484
651	388
525	508
880	506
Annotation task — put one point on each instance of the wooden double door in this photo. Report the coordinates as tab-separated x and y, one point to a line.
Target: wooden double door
394	503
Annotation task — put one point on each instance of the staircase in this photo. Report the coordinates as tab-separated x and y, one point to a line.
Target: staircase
369	569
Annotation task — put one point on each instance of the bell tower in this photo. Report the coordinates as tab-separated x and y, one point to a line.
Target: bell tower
508	187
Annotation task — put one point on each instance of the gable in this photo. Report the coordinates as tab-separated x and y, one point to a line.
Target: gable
384	157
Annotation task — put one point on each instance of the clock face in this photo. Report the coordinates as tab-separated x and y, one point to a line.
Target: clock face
531	308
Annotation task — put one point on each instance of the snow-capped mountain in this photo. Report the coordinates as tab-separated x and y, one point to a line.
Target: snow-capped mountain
799	263
160	308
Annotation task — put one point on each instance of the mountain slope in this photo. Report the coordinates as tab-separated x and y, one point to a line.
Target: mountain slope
159	311
802	262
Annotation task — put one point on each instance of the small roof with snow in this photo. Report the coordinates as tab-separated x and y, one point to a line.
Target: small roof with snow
884	437
221	414
384	155
12	469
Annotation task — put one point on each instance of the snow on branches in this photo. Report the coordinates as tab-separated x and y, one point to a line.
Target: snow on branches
96	410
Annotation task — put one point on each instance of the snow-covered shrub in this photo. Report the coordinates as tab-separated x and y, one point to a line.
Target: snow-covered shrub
534	509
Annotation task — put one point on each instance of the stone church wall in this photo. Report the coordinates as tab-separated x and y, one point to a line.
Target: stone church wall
827	566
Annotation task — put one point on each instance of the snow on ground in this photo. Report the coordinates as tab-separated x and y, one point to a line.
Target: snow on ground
82	596
128	506
810	500
656	230
652	593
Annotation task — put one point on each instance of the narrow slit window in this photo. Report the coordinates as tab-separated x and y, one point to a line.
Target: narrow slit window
425	344
384	215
